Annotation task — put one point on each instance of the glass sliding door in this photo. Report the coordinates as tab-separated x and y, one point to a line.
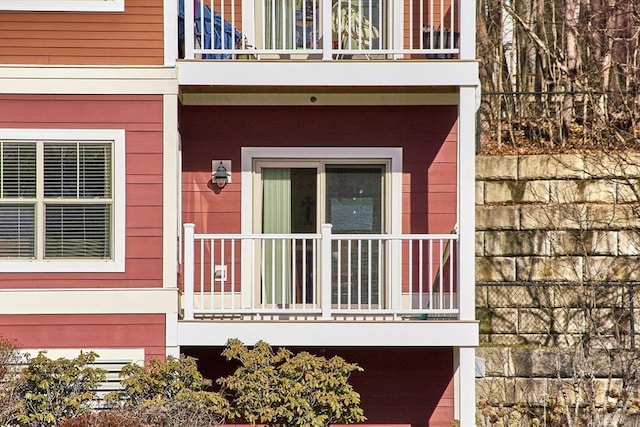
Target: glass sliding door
296	197
354	205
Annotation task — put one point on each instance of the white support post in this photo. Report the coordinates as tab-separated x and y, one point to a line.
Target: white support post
465	380
467	11
171	335
466	202
398	27
189	261
170	26
249	22
327	32
189	29
325	266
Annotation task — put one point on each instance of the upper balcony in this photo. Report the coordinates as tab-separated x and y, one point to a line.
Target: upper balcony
327	42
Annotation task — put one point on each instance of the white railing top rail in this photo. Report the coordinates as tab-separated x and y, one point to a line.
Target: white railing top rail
394	236
256	236
310	236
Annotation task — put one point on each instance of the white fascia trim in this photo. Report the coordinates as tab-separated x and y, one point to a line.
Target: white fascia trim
88	301
249	154
63	5
80	80
338	334
328	73
117	264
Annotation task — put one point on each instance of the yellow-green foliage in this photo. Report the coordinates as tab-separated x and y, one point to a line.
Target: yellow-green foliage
56	389
277	388
170	393
10	383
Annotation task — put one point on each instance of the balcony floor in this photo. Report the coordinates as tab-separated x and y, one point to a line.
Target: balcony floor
316	73
331	333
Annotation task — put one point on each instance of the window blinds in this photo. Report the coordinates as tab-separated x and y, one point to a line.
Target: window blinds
65	185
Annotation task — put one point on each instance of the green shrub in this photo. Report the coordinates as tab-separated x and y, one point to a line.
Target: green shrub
170	393
57	389
277	388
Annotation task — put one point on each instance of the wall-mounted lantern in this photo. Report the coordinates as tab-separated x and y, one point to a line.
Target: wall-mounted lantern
221	172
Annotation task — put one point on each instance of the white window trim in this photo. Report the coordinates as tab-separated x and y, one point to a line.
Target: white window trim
114	265
63	5
393	154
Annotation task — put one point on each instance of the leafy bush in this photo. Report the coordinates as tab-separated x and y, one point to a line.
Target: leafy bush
10	383
105	419
277	388
58	389
170	393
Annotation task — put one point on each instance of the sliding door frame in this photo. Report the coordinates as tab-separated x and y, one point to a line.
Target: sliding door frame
253	158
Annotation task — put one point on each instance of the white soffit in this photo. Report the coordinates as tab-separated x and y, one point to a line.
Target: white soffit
318	99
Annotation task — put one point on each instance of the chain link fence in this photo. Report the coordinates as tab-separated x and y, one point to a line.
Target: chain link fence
557	314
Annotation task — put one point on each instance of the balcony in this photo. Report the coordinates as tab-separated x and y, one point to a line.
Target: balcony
325	29
319	277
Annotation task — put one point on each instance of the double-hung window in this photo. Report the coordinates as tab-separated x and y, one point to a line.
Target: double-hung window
61	200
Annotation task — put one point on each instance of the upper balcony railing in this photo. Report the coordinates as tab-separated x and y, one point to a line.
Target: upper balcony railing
324	29
320	276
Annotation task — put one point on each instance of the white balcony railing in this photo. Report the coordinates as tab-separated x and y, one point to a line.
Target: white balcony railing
327	29
320	276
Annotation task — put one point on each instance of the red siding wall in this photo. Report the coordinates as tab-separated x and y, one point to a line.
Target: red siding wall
399	386
132	37
141	117
87	331
428	135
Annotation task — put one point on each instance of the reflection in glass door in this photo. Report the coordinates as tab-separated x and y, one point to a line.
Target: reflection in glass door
354	205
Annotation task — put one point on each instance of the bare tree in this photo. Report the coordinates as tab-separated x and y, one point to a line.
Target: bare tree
559	74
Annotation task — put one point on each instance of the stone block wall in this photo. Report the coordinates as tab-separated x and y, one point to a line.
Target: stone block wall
557	251
538	218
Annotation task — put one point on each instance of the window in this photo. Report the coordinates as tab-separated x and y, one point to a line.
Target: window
64	5
61	200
